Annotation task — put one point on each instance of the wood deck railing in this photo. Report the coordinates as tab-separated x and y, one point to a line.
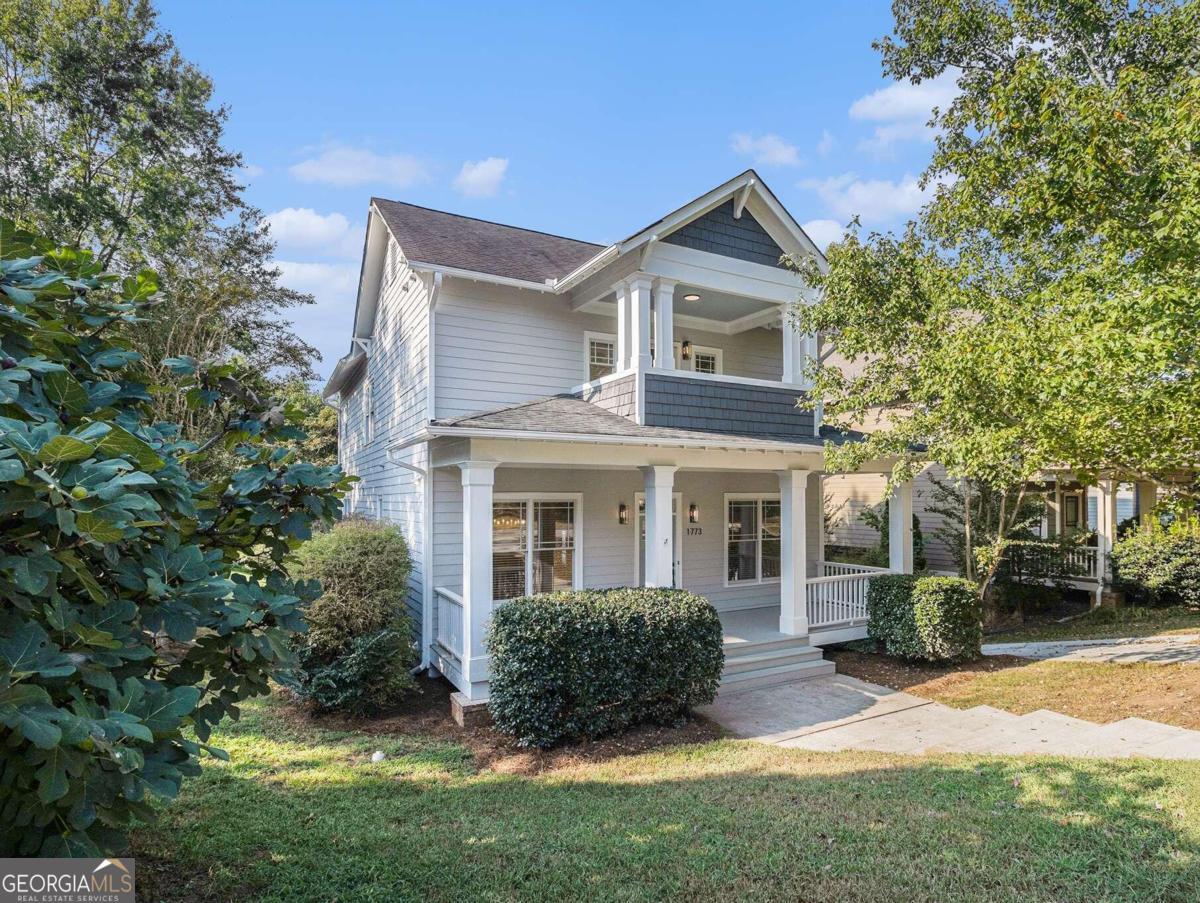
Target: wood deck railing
449	626
838	598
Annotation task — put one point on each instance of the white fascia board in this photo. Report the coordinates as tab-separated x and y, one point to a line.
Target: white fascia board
690	211
724	274
586	269
475	276
467	432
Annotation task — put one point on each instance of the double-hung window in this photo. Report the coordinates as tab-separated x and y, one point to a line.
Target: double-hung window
753	534
534	545
601	351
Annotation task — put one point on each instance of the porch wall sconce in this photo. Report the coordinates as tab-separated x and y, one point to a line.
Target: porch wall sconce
622	514
693	513
685	350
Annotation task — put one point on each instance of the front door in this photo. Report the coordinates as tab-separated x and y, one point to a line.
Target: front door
640	551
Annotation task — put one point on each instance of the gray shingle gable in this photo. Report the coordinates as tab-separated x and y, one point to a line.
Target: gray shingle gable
720	232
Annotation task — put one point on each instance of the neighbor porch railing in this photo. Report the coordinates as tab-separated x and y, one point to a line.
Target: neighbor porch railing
449	626
1034	562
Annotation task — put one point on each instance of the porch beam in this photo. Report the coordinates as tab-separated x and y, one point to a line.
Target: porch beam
664	324
478	479
660	530
900	534
793	564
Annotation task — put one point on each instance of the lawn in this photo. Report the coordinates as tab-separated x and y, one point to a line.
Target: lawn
1107	623
301	813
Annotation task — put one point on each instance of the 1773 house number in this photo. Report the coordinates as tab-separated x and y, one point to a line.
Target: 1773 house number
695	531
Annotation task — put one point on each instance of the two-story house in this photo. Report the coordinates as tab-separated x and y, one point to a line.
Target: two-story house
540	413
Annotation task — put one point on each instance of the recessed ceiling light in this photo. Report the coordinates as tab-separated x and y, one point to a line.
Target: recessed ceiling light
691	297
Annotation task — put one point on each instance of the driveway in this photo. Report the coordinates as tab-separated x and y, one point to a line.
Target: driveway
843	713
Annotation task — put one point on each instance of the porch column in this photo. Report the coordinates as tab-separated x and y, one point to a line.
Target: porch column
900	535
664	324
639	329
1147	498
624	320
793	351
660	530
1106	526
793	552
478	477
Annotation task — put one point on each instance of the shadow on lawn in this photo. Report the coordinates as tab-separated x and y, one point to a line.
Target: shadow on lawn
723	819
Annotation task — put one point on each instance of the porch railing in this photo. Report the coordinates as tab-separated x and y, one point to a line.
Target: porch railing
842	569
839	600
449	626
1035	562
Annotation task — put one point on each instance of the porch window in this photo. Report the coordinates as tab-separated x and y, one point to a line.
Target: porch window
706	362
601	355
753	528
533	546
701	359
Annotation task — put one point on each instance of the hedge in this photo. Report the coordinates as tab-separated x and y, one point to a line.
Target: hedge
931	618
586	663
1160	566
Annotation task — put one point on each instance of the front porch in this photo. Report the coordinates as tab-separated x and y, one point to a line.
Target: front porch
747	539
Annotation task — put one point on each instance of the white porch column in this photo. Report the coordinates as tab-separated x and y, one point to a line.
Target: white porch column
1147	498
478	477
793	351
664	324
660	530
1106	526
900	535
793	564
639	322
624	321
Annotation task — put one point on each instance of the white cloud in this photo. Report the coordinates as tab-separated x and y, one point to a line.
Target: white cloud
347	166
303	228
481	178
823	231
325	324
902	109
324	280
876	201
825	145
767	150
250	171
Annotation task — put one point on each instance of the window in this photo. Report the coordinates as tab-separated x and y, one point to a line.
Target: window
533	546
704	362
601	355
367	403
701	359
753	528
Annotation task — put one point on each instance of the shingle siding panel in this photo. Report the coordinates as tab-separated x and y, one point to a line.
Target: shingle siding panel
719	232
684	403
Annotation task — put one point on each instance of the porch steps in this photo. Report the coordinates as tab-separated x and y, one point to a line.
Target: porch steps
767	663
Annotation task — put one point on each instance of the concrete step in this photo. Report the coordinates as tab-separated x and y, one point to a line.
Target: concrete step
777	674
735	664
749	647
1131	736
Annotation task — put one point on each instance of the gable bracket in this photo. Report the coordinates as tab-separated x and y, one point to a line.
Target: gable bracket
363	344
739	202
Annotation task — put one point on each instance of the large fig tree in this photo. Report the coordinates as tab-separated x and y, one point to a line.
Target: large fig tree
138	605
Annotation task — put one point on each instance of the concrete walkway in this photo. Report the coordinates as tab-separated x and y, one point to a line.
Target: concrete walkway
1163	650
841	712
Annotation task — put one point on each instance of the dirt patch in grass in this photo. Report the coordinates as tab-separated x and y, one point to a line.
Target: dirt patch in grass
1095	691
427	713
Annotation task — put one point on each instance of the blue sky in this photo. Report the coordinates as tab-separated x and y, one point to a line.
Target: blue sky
587	120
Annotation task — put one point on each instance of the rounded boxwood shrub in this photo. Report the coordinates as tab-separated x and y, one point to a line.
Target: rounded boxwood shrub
948	618
932	618
586	663
358	651
1160	566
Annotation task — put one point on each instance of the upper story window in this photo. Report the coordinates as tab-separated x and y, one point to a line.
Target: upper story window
700	359
368	409
601	355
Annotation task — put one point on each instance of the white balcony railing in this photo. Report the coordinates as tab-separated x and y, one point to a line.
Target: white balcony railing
842	568
449	626
839	600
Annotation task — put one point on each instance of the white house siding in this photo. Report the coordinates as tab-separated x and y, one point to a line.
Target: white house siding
499	346
609	547
395	374
847	496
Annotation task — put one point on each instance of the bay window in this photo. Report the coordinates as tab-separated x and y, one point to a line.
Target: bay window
534	543
753	530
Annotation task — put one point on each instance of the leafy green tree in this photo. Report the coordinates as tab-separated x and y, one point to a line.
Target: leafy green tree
1043	309
110	141
318	420
140	605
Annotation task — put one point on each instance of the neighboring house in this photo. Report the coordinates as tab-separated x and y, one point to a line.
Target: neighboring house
541	413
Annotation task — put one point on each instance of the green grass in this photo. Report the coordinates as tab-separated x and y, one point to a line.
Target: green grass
1107	623
302	814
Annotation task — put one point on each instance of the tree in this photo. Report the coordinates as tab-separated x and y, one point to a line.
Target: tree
318	420
1042	310
110	141
141	605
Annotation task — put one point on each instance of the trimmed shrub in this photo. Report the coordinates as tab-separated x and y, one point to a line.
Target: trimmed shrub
1160	566
358	650
948	618
931	618
890	615
587	663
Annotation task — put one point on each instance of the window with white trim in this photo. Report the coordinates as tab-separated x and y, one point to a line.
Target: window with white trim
368	410
534	546
600	354
753	531
701	359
